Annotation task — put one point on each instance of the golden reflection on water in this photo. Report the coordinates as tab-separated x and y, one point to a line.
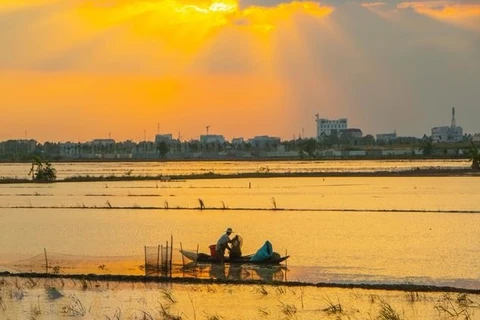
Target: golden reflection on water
172	168
377	229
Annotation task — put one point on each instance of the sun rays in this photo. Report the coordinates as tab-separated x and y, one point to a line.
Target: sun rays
199	60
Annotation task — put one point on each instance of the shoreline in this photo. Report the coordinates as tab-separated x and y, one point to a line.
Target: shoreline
416	172
201	281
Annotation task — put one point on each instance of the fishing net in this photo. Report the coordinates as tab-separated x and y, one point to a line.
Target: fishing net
59	263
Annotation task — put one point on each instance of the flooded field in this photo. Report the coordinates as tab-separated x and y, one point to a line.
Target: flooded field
348	230
358	231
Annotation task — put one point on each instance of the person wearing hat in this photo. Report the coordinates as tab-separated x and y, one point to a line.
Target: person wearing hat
222	244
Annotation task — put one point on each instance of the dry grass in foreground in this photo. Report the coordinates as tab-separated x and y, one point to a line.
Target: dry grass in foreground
61	298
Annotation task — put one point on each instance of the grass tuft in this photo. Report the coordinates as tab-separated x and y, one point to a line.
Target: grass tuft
116	316
388	313
213	317
274	203
74	307
168	296
166	315
262	290
332	308
288	309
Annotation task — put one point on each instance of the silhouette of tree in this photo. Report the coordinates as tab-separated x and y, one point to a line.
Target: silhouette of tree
427	146
163	149
474	155
42	171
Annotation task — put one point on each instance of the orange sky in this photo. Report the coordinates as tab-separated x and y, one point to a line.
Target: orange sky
75	70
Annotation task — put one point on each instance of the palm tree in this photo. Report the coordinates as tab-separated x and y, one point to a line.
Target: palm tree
474	155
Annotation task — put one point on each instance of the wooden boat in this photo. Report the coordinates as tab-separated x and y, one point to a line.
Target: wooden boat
205	258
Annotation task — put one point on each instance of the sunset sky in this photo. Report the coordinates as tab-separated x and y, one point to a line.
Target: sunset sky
76	70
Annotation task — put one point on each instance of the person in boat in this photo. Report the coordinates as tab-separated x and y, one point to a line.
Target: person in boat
236	247
223	244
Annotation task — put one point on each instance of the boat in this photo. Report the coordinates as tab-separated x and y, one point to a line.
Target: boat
247	259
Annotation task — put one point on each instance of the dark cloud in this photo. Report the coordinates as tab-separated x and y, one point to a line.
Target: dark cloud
388	76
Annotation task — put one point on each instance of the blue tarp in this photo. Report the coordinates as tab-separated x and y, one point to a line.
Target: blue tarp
263	253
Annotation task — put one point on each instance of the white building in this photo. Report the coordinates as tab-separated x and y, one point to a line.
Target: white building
448	134
326	126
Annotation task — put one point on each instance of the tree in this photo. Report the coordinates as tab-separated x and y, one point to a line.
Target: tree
163	148
426	146
474	155
309	146
42	171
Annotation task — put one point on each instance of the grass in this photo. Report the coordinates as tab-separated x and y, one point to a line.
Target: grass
213	317
332	308
288	309
168	296
116	316
262	290
461	306
73	307
387	312
104	300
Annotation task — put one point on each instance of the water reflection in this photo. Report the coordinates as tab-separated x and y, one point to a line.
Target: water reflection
240	272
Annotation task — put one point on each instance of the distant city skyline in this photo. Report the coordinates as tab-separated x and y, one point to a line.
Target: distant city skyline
146	136
74	70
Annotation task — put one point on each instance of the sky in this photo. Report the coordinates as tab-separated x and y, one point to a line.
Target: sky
77	70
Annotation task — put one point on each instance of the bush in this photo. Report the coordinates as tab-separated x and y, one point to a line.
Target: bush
42	171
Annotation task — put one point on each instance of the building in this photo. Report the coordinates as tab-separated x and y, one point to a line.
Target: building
237	142
212	139
326	126
352	133
450	134
167	138
103	142
265	142
386	137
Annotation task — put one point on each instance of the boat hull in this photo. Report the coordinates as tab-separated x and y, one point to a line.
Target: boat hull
205	258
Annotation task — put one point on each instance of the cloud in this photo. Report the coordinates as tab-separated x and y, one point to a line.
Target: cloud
465	14
384	66
373	4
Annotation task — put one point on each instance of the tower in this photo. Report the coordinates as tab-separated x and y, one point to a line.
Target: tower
453	125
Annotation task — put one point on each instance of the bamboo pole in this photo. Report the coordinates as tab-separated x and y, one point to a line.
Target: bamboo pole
166	258
171	254
158	258
145	253
196	258
286	267
46	260
161	256
183	257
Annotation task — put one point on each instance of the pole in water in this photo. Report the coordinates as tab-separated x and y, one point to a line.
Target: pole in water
145	253
171	254
183	257
46	260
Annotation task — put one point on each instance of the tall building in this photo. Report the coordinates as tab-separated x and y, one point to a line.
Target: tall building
326	126
452	133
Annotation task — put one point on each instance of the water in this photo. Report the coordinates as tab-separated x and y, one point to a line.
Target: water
337	229
66	169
